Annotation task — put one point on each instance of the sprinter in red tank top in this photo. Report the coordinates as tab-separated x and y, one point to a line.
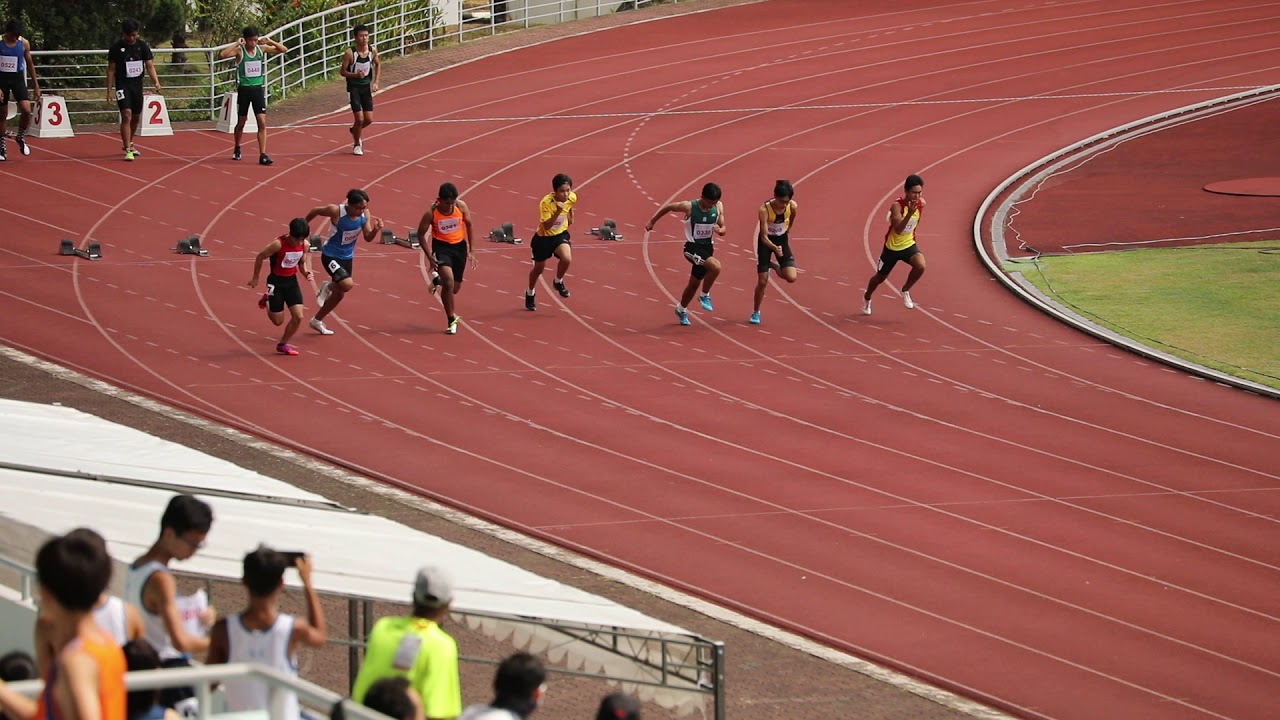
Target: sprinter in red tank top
288	255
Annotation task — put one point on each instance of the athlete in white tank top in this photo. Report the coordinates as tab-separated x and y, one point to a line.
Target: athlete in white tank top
110	616
261	647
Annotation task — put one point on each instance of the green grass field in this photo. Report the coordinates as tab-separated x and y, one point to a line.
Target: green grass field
1216	305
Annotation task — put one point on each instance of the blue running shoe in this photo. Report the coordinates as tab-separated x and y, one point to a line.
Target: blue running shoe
706	302
755	318
684	316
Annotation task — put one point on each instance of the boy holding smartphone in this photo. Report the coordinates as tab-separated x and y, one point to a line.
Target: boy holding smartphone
262	634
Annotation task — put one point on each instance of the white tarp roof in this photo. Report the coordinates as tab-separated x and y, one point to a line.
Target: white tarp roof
355	554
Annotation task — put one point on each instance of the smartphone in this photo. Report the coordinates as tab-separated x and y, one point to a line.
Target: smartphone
294	557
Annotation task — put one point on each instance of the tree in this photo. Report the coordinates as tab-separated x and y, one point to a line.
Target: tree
91	24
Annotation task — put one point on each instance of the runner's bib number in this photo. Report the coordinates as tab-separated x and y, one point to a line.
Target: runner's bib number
910	227
252	68
350	236
133	68
702	231
447	225
8	63
291	259
775	228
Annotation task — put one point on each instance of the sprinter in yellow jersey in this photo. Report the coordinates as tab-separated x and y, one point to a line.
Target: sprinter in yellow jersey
900	242
773	245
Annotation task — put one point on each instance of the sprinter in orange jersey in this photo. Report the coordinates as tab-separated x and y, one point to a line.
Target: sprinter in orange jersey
448	225
85	681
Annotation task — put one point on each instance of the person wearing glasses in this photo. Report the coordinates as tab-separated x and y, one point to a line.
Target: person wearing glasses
175	625
350	221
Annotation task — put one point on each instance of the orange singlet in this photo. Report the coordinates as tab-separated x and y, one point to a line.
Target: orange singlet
111	688
448	228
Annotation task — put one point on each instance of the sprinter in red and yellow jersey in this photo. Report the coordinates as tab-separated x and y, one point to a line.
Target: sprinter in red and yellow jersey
447	225
900	242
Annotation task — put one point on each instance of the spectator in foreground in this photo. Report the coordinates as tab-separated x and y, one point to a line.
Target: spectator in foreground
175	625
519	686
262	634
618	706
394	698
86	680
145	704
417	648
16	667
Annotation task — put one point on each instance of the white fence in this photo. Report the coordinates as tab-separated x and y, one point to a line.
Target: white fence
195	79
205	677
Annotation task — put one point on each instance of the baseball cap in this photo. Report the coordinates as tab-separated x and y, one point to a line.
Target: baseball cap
433	587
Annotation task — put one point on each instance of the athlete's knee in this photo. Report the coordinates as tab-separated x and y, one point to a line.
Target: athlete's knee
366	121
762	280
276	319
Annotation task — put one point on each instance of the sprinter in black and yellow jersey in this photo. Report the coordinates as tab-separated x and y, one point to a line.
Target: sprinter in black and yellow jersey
900	242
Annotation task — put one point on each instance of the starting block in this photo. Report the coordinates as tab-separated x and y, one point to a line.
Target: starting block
317	243
504	234
190	245
389	238
92	252
608	230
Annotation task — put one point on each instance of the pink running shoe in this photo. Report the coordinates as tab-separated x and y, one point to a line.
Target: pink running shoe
286	349
262	301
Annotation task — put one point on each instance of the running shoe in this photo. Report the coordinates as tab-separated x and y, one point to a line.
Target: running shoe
357	149
264	159
906	300
560	288
235	154
262	301
326	287
318	326
755	318
129	155
529	302
4	152
705	299
453	325
136	152
435	282
22	144
286	349
866	307
683	315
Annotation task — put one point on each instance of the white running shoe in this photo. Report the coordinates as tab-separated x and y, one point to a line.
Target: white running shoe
906	300
358	149
326	288
866	307
318	326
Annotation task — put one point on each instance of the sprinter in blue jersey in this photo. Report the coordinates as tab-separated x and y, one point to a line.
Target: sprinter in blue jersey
15	63
350	222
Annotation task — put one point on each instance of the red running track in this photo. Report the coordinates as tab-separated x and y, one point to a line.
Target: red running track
966	491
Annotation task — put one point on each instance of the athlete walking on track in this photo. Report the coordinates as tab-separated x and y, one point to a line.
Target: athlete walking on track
773	245
703	220
362	69
448	225
555	215
900	242
288	255
350	222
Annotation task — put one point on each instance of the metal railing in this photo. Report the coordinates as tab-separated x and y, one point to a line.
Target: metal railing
204	677
687	664
195	79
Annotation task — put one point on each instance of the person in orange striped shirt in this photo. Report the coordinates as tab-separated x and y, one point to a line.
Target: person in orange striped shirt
86	679
447	224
